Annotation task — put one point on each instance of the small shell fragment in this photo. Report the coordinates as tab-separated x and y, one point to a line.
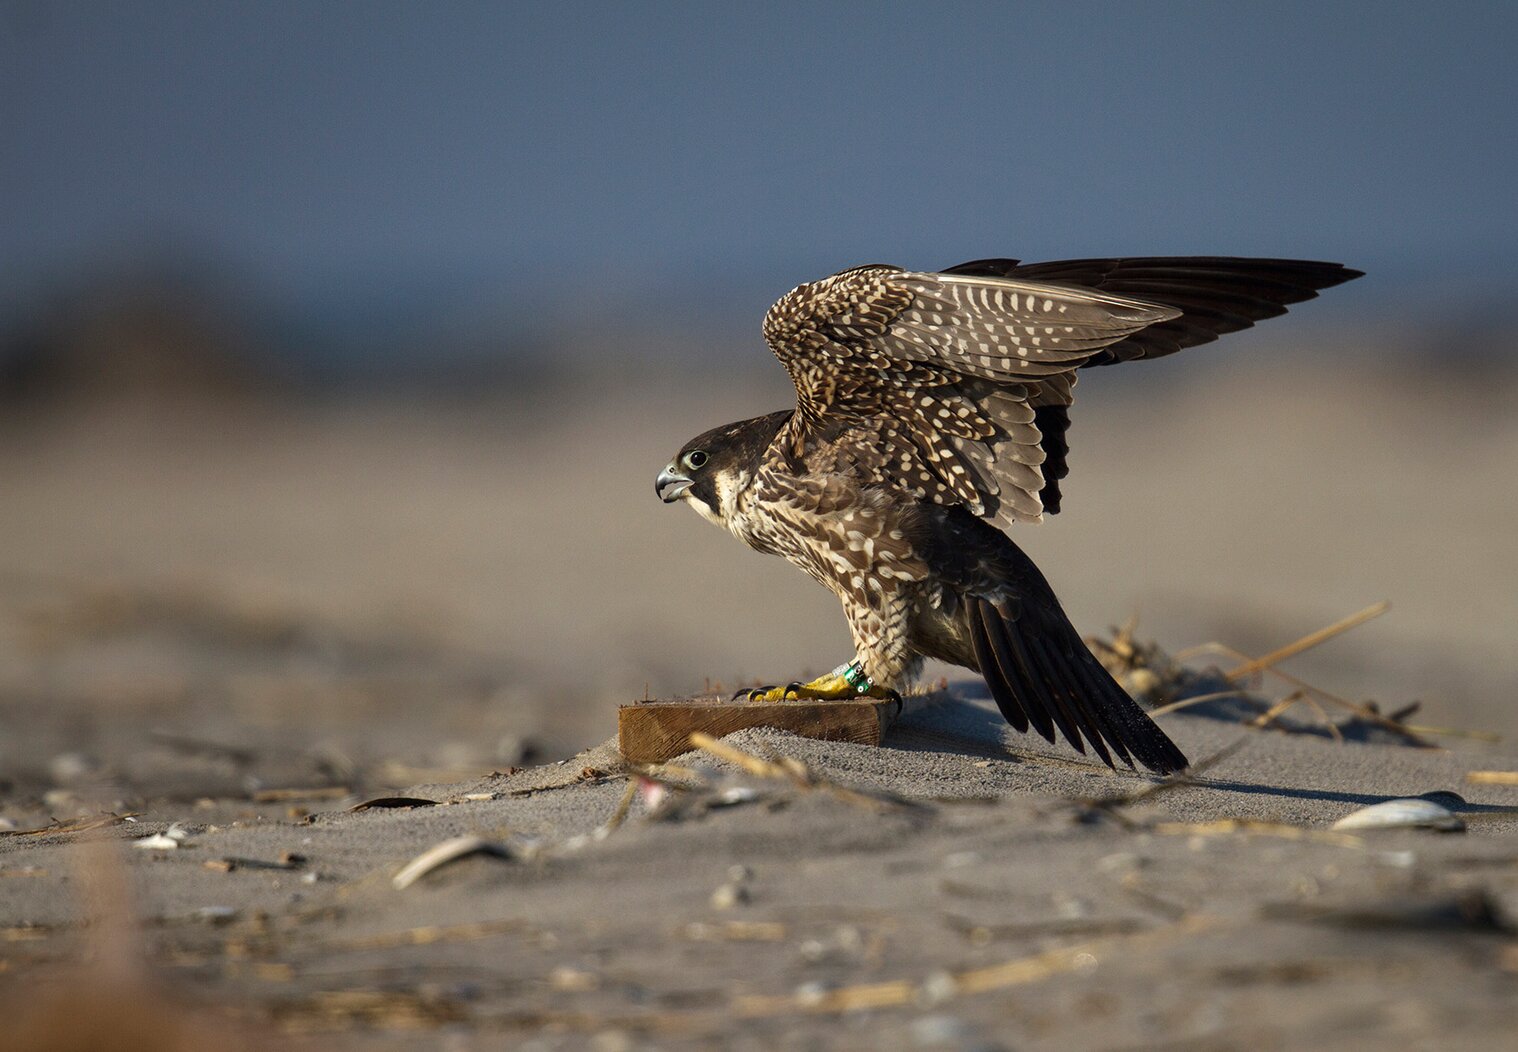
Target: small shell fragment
156	842
173	837
397	802
441	854
1410	813
734	795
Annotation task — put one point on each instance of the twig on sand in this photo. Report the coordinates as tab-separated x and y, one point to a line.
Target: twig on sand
1453	732
624	805
798	774
77	825
314	792
1149	670
1255	827
1307	642
1301	695
1269	716
1197	699
428	935
1333	728
1367	712
1492	777
944	986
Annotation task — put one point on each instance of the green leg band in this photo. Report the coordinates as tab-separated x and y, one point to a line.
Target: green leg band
853	675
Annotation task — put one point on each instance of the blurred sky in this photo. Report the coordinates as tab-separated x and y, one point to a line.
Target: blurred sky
565	157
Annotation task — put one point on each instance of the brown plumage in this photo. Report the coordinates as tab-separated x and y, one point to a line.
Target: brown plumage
931	414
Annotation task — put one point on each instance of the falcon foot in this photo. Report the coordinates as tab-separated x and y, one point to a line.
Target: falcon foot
844	683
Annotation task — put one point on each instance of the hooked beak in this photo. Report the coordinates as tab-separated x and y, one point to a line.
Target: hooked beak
671	485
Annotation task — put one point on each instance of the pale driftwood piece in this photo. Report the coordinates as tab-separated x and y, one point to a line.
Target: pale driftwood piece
655	731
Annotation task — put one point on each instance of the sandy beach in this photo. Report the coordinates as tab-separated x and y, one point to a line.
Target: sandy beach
238	627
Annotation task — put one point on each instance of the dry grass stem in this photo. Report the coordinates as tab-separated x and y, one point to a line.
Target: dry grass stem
789	769
428	935
624	805
77	825
1454	732
735	931
1332	727
1309	641
1149	672
1492	777
1017	972
1271	714
1254	827
319	792
1364	712
1197	699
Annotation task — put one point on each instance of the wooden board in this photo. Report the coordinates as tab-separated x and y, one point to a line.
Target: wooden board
655	731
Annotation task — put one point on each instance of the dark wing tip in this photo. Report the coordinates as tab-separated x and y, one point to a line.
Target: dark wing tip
1041	674
1339	275
1215	294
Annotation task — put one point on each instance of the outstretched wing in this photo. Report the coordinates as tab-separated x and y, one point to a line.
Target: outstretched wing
955	386
1215	294
931	382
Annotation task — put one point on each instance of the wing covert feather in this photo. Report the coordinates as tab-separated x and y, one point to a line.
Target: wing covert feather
931	377
954	386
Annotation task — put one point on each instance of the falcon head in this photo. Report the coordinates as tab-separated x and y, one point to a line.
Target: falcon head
713	468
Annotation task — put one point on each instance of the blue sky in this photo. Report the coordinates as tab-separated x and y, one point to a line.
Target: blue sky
611	153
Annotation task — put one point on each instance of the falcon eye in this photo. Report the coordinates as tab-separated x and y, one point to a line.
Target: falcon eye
694	459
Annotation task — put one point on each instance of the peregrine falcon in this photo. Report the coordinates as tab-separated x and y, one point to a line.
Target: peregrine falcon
931	414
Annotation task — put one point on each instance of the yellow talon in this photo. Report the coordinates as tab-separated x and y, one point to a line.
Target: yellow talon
764	694
832	687
835	686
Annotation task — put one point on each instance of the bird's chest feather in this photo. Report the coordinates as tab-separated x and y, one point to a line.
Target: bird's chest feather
852	539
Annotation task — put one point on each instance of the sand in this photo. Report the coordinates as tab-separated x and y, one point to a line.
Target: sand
360	601
753	925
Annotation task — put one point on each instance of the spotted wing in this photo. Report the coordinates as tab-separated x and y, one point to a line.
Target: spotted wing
932	382
1215	295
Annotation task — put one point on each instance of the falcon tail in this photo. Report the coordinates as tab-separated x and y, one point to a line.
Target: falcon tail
1042	675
